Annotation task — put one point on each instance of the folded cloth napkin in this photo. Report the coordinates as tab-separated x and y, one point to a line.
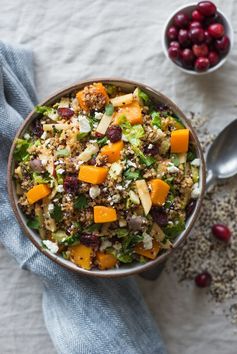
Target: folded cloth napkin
83	315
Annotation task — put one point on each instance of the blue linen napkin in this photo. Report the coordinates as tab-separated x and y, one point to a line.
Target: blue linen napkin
83	315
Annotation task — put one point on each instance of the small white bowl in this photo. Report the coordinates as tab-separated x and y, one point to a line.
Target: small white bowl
188	10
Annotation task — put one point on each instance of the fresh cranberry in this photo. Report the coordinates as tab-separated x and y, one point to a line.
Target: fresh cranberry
207	38
181	20
37	128
114	133
200	50
190	207
175	44
197	16
213	58
203	280
206	8
90	240
202	64
65	112
187	56
159	216
216	30
151	149
222	232
174	53
210	20
172	33
70	184
183	37
222	45
196	35
195	24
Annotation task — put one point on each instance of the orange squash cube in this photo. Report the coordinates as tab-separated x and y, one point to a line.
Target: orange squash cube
105	260
112	151
159	191
97	89
104	214
152	253
132	112
92	174
81	255
38	192
179	141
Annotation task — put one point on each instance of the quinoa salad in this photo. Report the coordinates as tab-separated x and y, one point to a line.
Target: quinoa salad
106	177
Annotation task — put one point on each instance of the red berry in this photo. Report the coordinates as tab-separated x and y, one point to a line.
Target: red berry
222	232
172	33
206	8
173	53
175	44
200	50
187	56
207	37
223	44
197	16
114	133
65	112
202	64
184	37
203	280
196	35
195	24
181	20
90	240
216	30
70	184
213	58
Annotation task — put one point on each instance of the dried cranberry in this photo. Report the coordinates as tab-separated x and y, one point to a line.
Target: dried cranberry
222	232
37	128
70	184
92	161
159	216
203	280
151	149
90	240
190	207
65	112
114	133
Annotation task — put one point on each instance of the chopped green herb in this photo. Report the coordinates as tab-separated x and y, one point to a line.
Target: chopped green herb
38	178
62	153
71	239
132	132
111	90
93	227
109	109
175	159
146	160
57	213
34	223
143	96
102	141
81	136
122	232
156	119
44	110
142	260
20	152
173	230
191	155
132	175
80	202
125	258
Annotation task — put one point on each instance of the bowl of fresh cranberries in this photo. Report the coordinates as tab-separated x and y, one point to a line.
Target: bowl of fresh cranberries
198	38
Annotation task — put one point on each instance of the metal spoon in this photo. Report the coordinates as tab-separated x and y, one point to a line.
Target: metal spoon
221	163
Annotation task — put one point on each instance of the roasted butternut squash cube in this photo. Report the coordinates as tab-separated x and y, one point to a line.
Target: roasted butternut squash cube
104	214
38	192
92	174
132	112
105	260
159	191
81	255
152	253
112	151
179	141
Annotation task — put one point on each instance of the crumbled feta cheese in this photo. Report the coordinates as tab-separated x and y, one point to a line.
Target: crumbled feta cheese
64	102
60	188
51	246
105	244
115	170
50	207
44	136
94	191
131	164
60	171
44	161
172	168
98	115
53	115
84	124
147	241
115	198
27	136
122	223
119	187
196	162
195	191
117	246
150	146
